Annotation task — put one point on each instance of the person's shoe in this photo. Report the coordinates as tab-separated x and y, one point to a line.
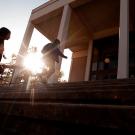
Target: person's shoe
44	80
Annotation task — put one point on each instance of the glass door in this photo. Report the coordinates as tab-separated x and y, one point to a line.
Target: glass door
105	58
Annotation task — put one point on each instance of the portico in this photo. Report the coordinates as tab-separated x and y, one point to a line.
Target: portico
81	23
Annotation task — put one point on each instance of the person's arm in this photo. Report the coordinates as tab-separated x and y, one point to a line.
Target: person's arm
61	54
4	56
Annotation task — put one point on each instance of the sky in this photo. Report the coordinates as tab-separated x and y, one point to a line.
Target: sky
14	14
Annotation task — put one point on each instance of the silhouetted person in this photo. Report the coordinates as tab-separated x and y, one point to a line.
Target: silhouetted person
51	54
4	35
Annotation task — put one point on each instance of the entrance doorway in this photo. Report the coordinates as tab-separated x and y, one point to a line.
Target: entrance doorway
105	58
132	54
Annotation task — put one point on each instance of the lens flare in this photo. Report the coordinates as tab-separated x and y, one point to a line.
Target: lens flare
33	63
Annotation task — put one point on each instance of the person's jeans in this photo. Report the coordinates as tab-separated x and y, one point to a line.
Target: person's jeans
0	57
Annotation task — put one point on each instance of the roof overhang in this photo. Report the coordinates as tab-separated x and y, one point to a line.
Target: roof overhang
89	19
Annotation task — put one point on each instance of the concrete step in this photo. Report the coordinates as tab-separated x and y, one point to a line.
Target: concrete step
106	84
89	115
107	93
96	105
122	97
97	83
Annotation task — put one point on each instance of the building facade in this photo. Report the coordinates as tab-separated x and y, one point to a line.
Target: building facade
100	33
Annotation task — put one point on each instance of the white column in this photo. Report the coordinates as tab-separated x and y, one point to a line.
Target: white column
89	58
64	25
23	49
25	42
123	50
62	35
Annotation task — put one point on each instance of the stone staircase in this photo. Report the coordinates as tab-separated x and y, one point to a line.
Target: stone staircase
69	108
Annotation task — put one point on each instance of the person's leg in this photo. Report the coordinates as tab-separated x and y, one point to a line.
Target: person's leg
50	64
51	70
0	57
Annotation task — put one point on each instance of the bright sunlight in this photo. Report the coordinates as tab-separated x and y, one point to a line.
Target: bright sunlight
33	63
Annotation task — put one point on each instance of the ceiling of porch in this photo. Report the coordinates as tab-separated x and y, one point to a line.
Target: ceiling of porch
89	19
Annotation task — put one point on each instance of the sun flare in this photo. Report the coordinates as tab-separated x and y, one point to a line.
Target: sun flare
33	63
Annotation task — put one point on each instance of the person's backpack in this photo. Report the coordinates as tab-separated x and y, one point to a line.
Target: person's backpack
46	48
